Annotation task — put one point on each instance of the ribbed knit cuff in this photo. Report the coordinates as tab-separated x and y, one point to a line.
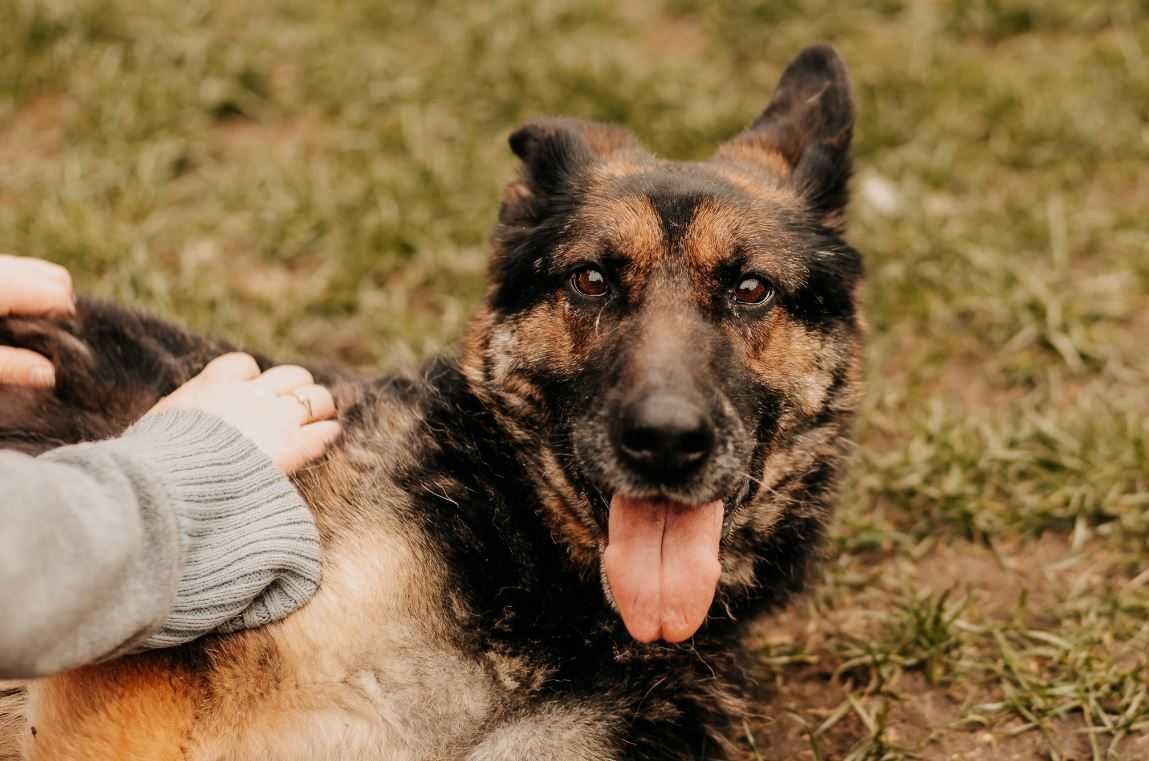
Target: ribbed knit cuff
249	545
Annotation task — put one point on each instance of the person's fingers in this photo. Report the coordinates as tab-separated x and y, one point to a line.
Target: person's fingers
30	267
317	437
20	367
283	379
230	368
25	294
315	403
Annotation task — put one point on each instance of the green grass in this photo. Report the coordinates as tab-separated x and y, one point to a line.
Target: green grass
320	179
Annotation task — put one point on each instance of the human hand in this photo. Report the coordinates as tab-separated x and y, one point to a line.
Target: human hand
281	411
31	287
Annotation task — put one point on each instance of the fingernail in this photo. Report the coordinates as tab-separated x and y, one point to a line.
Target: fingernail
69	305
44	377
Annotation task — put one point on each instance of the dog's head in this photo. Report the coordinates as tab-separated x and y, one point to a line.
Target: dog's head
677	339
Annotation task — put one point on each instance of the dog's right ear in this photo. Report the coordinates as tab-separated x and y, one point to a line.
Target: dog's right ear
556	155
555	152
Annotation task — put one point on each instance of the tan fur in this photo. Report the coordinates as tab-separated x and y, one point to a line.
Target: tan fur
792	359
12	725
754	148
712	235
605	139
567	524
542	338
360	673
628	224
364	671
131	709
614	167
576	730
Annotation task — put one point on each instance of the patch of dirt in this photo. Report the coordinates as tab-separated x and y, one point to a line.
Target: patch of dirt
798	706
922	722
801	700
1009	744
996	579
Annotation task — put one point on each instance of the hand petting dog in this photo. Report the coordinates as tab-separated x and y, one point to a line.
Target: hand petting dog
181	526
31	288
282	411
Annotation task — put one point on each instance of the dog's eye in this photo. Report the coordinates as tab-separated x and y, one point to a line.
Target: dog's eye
589	282
753	290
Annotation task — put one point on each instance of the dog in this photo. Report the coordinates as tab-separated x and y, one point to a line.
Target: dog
550	544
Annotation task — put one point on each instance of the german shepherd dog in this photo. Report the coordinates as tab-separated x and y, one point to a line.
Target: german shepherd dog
549	545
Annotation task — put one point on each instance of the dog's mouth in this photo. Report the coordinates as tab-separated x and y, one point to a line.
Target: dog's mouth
661	562
667	493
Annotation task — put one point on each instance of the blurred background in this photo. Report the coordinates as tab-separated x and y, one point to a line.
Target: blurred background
318	180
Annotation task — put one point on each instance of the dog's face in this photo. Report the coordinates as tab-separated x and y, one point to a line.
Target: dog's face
667	333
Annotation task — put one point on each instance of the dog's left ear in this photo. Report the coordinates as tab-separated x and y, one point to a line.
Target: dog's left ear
555	152
804	134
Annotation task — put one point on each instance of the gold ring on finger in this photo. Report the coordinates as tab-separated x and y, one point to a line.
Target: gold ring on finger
310	413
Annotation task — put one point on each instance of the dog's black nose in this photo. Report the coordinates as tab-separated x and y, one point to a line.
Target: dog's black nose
663	436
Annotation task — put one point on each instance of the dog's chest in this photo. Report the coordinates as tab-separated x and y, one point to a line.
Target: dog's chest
366	670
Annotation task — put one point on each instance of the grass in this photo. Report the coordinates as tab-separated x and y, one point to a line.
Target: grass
320	179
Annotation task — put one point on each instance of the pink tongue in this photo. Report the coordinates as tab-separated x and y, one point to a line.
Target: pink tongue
662	564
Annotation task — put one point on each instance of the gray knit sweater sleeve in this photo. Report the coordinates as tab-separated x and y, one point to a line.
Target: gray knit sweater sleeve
178	528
